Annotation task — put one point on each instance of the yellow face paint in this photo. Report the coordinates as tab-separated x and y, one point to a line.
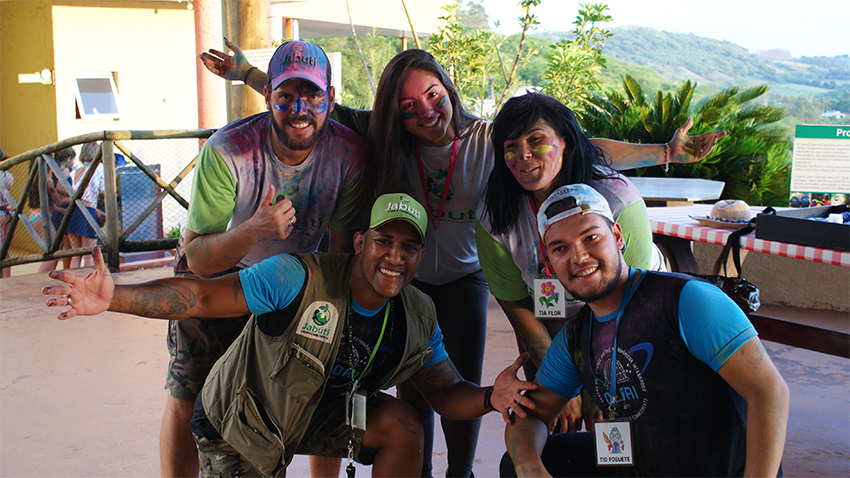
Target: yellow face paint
510	157
542	150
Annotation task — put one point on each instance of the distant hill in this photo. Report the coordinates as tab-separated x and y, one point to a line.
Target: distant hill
677	57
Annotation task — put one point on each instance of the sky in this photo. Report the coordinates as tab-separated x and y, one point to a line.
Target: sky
802	27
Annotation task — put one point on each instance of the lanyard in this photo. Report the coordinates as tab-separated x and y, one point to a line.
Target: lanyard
540	239
349	470
436	222
612	378
355	383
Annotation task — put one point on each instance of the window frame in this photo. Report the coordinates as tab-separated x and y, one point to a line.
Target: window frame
98	75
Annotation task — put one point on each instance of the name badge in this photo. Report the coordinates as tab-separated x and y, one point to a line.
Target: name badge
613	444
550	299
357	412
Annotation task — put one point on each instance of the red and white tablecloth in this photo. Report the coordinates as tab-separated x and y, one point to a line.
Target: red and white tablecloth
676	222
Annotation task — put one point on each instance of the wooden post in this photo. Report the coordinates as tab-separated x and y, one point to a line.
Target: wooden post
246	23
112	224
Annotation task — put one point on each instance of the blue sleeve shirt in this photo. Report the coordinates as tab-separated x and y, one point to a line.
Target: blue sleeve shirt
711	325
272	284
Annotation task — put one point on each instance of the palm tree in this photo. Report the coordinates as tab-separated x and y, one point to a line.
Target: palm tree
754	161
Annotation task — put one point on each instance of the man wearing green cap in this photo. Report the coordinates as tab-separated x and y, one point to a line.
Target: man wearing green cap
327	334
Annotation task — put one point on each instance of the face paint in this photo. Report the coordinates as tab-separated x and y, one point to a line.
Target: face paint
510	157
442	103
407	116
281	108
542	150
298	106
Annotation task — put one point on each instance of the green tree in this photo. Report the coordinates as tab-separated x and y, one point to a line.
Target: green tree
472	14
575	64
471	57
754	161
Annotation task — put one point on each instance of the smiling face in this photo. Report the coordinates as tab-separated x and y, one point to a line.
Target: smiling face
386	261
535	159
299	114
425	110
585	254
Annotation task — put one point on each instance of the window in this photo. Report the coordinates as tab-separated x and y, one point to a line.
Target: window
97	97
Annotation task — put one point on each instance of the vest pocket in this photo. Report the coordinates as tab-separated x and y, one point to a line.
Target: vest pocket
249	430
300	378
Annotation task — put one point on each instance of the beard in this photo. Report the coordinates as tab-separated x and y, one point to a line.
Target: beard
295	145
606	288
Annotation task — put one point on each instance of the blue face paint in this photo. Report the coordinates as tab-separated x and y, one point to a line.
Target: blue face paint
281	108
320	109
298	106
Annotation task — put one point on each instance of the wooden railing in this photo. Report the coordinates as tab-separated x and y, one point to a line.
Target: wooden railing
112	237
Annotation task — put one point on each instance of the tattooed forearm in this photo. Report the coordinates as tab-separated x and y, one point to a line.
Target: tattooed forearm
162	301
431	380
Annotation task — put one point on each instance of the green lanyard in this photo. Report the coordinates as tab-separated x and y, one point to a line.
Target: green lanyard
355	383
349	470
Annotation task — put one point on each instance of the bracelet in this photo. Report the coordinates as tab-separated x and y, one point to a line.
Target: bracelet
245	78
667	157
488	392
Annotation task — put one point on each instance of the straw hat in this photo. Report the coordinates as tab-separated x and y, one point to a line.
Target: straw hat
731	210
727	213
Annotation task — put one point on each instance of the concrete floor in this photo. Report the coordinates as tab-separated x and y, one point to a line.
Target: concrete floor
84	397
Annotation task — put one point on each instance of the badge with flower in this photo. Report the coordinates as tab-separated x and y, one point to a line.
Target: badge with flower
548	296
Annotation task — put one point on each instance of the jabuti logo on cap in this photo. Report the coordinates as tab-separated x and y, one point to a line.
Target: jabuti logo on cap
299	59
394	206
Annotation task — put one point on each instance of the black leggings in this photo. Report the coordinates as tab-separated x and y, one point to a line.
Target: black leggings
462	314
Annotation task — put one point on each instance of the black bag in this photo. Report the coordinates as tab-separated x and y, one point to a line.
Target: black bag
742	291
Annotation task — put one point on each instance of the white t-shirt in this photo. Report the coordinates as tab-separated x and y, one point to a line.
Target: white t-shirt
450	251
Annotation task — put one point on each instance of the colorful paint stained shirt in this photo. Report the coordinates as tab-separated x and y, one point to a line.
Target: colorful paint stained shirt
511	262
675	333
236	165
450	251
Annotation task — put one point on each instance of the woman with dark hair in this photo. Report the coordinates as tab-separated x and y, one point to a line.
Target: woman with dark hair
543	148
425	143
80	233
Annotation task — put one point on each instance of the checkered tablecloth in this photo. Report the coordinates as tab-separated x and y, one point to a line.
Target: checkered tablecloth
676	222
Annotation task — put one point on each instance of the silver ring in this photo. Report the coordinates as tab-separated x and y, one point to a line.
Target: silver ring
291	221
69	299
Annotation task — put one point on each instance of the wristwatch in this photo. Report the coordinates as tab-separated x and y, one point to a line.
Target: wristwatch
487	394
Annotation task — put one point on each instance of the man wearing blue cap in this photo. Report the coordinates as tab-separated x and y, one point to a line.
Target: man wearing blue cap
328	333
684	384
267	184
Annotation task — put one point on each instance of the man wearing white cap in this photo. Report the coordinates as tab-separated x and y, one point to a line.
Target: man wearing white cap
328	333
267	184
684	384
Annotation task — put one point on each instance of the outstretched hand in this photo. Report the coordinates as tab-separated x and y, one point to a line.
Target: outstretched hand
685	148
229	67
86	295
506	391
272	221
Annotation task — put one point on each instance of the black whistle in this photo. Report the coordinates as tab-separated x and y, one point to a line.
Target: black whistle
349	470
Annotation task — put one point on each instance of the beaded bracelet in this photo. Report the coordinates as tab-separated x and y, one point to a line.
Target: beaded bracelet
667	157
245	78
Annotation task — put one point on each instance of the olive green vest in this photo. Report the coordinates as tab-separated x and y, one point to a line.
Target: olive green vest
261	394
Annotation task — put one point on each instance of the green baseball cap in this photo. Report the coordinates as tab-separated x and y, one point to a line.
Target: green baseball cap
394	206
